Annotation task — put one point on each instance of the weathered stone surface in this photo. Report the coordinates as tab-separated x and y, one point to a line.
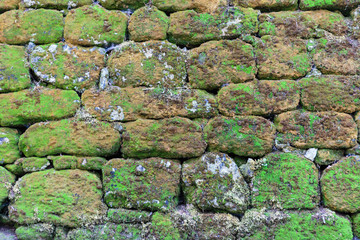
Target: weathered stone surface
217	63
357	119
66	66
148	23
35	232
123	4
328	156
151	64
36	105
266	5
14	74
354	150
169	138
6	181
9	150
95	26
304	129
280	58
258	97
150	184
331	93
195	225
315	224
214	183
337	56
285	181
70	136
7	5
123	215
311	24
128	104
69	198
248	136
339	185
355	23
20	27
342	5
356	224
189	28
56	4
181	5
15	168
162	227
73	162
33	164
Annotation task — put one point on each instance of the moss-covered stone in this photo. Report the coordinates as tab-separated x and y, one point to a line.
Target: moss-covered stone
38	26
181	5
311	24
35	232
150	184
66	66
328	156
69	136
248	136
355	150
336	55
217	63
355	23
7	5
168	138
267	5
356	224
95	26
163	227
6	181
73	162
15	168
14	74
258	97
34	164
280	58
285	181
56	4
342	5
339	185
319	224
331	93
304	129
148	23
9	150
214	183
189	28
151	64
128	104
36	105
70	198
122	215
123	4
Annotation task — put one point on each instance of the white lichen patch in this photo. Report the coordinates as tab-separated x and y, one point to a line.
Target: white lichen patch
4	140
117	114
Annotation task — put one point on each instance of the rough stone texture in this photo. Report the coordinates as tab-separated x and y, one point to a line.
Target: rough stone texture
208	6
7	179
356	224
311	24
56	4
189	28
70	136
280	58
304	129
214	183
123	4
14	74
355	24
248	136
123	215
217	63
7	5
195	225
162	227
258	98
20	27
316	224
70	198
16	168
66	66
267	5
148	23
328	156
9	150
342	5
95	26
128	104
339	185
36	105
33	164
35	232
337	56
73	162
357	119
285	181
331	93
151	64
169	138
150	184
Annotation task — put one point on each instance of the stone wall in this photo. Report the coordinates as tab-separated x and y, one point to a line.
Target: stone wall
179	119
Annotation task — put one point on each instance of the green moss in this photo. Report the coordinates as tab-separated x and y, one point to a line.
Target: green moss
35	232
128	216
6	181
34	164
267	28
9	150
163	228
